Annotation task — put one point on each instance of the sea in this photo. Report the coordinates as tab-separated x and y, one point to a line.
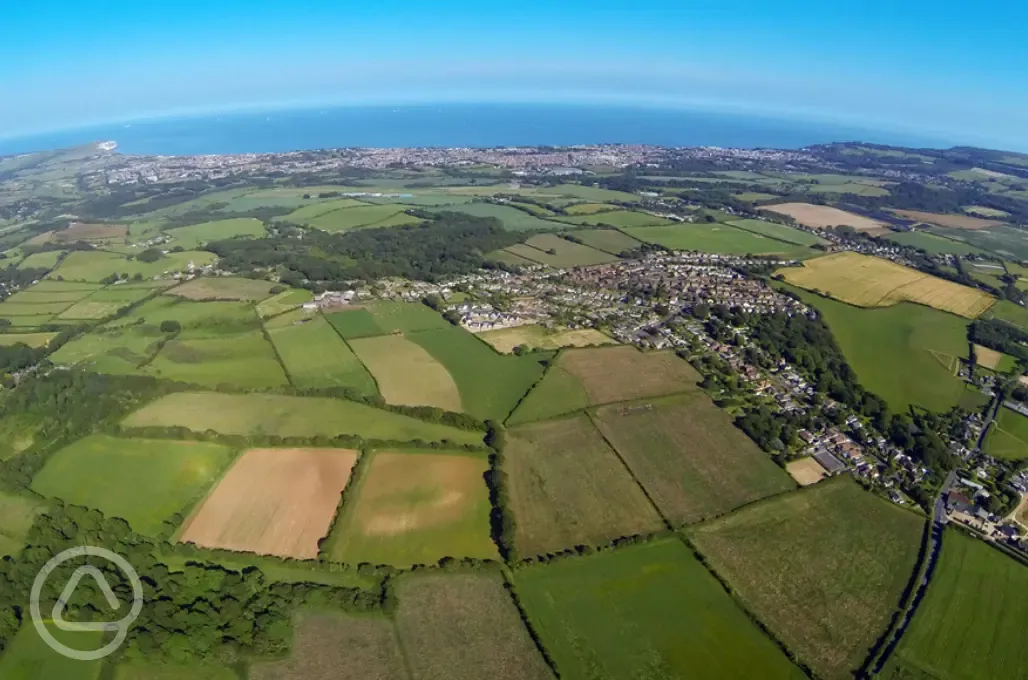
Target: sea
456	125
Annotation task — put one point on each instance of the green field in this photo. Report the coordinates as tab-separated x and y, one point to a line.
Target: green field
1008	436
510	258
555	251
931	243
17	513
1003	310
44	260
354	323
223	288
608	240
589	208
905	353
95	265
972	621
314	355
283	302
389	317
617	218
309	211
198	319
1006	241
30	658
196	235
648	611
104	303
362	216
275	570
511	218
716	238
30	339
780	232
823	568
198	671
143	481
116	350
274	414
243	359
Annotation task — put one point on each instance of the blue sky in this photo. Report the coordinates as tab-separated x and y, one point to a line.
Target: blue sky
951	69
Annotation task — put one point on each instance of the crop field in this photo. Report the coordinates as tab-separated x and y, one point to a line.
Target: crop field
95	265
823	568
510	258
821	216
415	508
198	319
29	657
14	309
354	323
143	481
406	374
511	218
464	627
537	337
400	317
275	414
1008	437
716	238
950	221
971	623
689	456
243	359
590	208
618	218
568	488
932	243
904	353
283	302
336	646
45	260
104	303
806	471
273	502
490	384
30	339
993	360
117	351
552	250
77	231
223	288
17	513
361	216
315	356
309	211
867	281
652	606
779	232
196	235
608	240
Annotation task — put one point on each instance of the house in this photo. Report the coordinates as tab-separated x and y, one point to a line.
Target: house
829	462
958	502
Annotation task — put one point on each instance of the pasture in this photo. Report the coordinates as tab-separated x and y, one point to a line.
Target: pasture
823	216
464	627
30	339
1010	242
651	606
78	231
1004	310
223	288
143	481
608	240
1008	436
244	359
168	671
617	218
589	208
354	323
993	360
45	260
273	502
716	238
197	235
512	219
950	221
971	623
104	303
823	568
689	456
116	350
95	265
274	414
555	251
932	243
17	513
538	337
567	488
406	374
309	211
315	356
415	508
362	216
29	657
779	232
510	258
283	302
401	317
867	281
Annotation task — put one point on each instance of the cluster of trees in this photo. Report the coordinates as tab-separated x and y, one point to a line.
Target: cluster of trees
1000	336
12	279
501	517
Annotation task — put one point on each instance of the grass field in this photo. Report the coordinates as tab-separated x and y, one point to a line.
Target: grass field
568	488
1005	310
398	317
618	218
780	232
822	568
511	218
538	337
1010	242
223	288
273	502
362	216
689	456
993	360
165	671
932	243
645	611
950	221
905	354
406	374
555	251
30	339
415	508
464	627
589	208
608	240
283	302
243	359
1008	437
354	323
285	416
95	265
104	303
17	513
874	282
196	235
716	238
143	481
315	356
78	231
29	657
309	211
507	257
821	216
45	260
971	623
117	351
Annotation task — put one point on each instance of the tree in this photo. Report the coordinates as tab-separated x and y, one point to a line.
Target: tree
170	326
150	255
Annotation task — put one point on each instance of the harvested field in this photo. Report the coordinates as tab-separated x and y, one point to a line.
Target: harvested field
406	374
77	231
689	456
823	568
223	288
537	337
273	502
568	488
950	221
314	355
464	627
993	360
867	281
821	216
415	508
806	471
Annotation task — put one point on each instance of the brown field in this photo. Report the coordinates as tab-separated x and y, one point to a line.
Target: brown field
223	288
989	358
806	471
536	337
568	487
951	221
867	281
689	456
79	231
623	373
40	238
334	646
821	216
1020	513
406	373
464	627
273	502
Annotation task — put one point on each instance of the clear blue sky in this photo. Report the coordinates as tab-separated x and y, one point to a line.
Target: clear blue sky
952	68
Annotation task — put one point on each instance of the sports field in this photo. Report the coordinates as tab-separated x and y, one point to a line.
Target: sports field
407	374
274	414
608	240
464	627
951	221
17	513
143	481
243	359
653	607
780	232
314	355
273	502
821	216
538	337
867	281
717	238
689	456
567	488
415	508
223	288
196	235
823	568
29	657
555	251
1008	436
971	623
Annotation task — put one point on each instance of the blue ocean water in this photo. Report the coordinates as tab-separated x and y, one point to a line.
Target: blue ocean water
450	125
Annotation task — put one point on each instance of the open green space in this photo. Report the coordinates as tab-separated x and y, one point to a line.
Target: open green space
354	323
223	288
44	260
1008	436
716	238
274	569
197	319
392	317
512	218
558	252
608	240
29	657
167	671
362	216
779	231
1004	310
30	339
589	208
244	359
283	302
650	609
96	265
617	218
932	243
1002	240
196	235
314	355
143	481
309	210
114	350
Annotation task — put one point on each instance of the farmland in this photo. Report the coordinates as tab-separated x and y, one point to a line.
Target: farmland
993	360
273	414
950	221
568	488
77	231
689	456
283	302
30	339
512	218
660	610
30	658
309	211
1008	437
555	251
315	356
822	568
16	516
873	282
618	218
243	359
1005	310
971	622
196	235
716	238
932	243
401	317
273	502
537	337
821	216
1009	242
361	216
806	471
223	288
406	373
415	508
143	481
608	240
354	323
96	265
780	232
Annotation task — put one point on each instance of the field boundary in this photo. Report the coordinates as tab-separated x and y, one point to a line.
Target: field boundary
512	591
197	503
278	357
378	388
352	487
